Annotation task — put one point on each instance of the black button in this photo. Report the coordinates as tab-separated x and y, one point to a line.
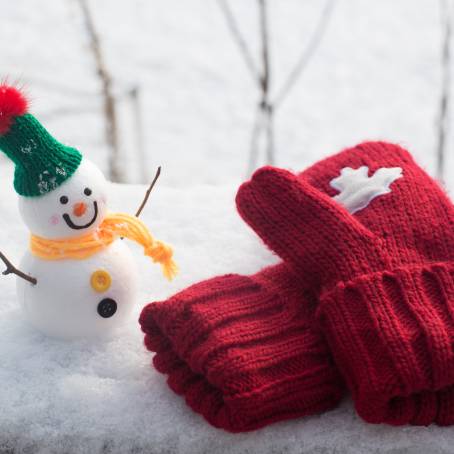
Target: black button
107	307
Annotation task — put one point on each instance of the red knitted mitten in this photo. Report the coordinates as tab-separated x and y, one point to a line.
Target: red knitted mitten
242	349
385	274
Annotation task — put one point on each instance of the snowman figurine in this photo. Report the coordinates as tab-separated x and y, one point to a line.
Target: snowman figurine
78	278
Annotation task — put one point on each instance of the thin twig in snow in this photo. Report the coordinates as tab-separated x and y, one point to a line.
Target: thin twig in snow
115	171
443	120
11	269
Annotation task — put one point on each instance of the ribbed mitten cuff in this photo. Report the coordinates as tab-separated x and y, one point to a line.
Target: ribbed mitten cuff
243	350
392	336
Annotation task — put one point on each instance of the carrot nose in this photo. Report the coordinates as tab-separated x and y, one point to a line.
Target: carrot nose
79	209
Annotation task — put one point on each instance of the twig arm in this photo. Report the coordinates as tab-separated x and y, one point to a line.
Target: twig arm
11	269
147	194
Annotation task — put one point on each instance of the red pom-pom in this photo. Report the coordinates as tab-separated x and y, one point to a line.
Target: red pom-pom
12	104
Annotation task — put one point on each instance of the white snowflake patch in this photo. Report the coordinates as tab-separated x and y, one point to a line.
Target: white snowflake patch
60	169
47	182
357	189
28	147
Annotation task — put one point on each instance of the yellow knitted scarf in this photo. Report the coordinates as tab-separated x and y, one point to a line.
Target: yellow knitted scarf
112	227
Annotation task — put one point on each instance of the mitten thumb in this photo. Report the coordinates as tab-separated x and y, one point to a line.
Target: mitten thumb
307	229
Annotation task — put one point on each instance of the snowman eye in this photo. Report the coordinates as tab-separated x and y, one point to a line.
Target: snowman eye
63	200
87	191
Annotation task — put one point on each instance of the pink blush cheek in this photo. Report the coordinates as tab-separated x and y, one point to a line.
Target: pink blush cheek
54	219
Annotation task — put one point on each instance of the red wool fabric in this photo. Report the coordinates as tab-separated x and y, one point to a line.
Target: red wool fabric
243	350
384	276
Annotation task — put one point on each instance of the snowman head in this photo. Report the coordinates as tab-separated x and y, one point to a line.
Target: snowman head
74	208
61	194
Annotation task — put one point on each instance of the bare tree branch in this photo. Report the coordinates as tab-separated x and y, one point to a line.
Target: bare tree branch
135	99
264	34
239	40
264	117
265	104
147	194
266	80
270	134
11	269
443	120
307	53
254	145
115	171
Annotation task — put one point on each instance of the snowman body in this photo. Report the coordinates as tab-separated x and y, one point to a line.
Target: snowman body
76	297
78	278
80	298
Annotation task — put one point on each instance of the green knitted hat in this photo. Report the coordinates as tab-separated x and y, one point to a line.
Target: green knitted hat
42	163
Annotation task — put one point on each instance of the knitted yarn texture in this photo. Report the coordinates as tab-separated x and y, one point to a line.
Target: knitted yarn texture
114	226
380	282
243	350
384	278
41	162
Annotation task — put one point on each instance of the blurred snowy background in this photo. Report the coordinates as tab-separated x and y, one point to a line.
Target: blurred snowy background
185	99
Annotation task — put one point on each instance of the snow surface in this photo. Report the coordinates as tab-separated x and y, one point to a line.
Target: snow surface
376	75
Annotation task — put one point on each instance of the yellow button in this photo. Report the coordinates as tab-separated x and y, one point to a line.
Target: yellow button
100	280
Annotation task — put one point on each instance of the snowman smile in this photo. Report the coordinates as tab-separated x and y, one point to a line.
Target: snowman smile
71	224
